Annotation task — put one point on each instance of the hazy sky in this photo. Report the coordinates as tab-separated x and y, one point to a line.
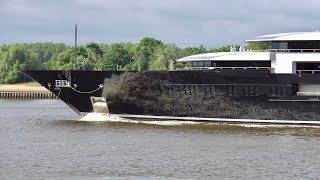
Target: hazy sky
183	22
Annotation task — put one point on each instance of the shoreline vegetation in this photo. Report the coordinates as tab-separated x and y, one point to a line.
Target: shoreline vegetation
148	54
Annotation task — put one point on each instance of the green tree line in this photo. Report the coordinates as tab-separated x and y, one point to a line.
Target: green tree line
148	54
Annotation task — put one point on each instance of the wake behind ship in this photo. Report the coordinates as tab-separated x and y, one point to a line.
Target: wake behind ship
278	83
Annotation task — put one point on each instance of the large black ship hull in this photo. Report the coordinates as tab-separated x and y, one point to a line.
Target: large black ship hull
240	94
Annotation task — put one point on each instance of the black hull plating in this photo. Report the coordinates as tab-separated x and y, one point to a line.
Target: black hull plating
247	94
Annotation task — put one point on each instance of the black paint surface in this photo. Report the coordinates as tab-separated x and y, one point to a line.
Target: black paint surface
203	93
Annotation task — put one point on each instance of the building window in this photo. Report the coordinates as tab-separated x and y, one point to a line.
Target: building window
280	45
195	64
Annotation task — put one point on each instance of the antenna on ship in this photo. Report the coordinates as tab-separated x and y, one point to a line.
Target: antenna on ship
75	46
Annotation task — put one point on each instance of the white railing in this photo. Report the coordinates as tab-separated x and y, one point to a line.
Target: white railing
308	93
295	50
283	50
308	71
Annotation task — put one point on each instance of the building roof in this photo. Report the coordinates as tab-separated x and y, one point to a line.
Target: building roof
293	36
228	56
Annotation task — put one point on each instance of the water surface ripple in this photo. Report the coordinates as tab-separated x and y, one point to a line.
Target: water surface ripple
43	139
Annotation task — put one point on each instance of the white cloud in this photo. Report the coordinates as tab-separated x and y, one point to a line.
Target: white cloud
185	22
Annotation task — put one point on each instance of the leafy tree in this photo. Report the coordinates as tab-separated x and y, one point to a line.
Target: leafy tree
258	46
94	59
14	60
43	52
193	51
148	54
94	49
144	52
64	61
222	49
130	48
165	55
116	57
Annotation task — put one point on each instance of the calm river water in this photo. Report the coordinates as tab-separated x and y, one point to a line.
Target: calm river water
43	139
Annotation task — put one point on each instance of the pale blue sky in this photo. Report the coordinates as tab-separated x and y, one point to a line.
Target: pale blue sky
184	22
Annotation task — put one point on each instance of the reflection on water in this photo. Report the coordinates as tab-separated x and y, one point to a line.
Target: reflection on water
45	139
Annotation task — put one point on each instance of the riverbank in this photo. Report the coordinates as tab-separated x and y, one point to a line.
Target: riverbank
22	87
31	90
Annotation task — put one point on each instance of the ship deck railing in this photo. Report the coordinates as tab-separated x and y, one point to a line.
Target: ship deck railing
308	93
308	71
284	50
214	68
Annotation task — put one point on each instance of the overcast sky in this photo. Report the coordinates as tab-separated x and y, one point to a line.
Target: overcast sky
213	23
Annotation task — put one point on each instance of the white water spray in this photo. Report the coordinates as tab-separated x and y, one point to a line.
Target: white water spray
98	117
103	117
